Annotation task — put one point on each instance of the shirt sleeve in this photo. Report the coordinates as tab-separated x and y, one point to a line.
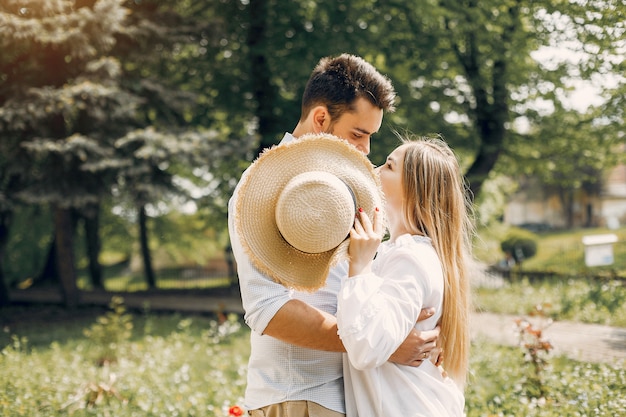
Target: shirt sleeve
260	295
376	312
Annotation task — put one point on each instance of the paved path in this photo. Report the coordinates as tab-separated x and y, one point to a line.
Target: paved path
585	342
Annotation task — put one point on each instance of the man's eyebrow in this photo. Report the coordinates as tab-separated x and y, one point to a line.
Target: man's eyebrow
363	131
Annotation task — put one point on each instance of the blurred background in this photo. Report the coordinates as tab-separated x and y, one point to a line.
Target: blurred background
125	125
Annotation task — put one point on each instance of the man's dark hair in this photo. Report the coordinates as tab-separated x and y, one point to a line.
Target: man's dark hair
337	82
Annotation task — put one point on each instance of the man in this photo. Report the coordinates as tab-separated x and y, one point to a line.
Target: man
295	366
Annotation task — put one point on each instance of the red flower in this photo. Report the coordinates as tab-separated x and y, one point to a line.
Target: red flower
235	410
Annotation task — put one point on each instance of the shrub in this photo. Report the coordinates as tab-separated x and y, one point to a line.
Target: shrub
521	244
110	331
536	350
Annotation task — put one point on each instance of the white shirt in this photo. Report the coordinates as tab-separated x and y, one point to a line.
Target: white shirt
376	312
279	371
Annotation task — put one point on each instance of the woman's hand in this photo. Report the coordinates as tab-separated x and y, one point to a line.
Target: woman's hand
365	238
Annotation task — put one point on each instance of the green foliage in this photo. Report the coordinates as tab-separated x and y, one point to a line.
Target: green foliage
559	251
598	301
536	352
168	102
563	251
192	366
29	240
110	332
520	244
576	389
196	366
587	301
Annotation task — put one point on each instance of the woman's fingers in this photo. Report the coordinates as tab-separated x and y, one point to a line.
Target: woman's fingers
378	222
365	221
373	228
358	227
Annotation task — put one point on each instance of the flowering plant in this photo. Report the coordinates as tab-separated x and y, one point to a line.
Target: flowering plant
235	411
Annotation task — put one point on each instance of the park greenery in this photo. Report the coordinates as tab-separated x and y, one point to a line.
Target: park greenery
114	362
126	124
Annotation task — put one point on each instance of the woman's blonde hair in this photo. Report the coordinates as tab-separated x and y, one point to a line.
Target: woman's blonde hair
437	204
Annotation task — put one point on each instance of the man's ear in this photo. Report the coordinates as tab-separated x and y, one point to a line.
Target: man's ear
320	118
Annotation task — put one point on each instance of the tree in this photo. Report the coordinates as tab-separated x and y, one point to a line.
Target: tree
467	68
64	118
463	69
113	79
175	147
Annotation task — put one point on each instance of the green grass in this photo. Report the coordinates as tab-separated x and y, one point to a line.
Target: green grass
172	365
192	365
500	375
573	293
118	278
564	252
580	300
195	365
559	251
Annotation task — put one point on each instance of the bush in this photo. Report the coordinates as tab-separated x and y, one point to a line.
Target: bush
520	244
171	366
110	332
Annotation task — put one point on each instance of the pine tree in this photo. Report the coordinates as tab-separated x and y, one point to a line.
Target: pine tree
61	110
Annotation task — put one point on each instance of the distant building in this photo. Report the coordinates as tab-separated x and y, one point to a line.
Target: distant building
536	207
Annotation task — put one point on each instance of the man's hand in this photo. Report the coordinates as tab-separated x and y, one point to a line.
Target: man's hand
418	345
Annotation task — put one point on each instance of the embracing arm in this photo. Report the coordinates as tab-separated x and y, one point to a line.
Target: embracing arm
411	351
271	311
303	325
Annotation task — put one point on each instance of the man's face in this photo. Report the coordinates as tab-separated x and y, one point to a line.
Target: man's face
358	127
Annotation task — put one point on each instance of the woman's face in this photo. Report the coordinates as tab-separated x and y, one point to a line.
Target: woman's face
391	173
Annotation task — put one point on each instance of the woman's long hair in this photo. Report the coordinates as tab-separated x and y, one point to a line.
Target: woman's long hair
437	204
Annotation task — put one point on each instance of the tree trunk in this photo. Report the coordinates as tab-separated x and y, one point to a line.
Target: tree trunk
5	220
492	110
64	229
265	93
145	249
92	236
567	203
50	271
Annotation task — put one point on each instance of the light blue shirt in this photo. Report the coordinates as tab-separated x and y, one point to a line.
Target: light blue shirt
279	371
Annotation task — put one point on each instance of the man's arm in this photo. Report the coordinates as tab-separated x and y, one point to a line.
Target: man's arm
302	325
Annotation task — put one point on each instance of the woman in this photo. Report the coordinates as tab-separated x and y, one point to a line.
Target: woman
424	263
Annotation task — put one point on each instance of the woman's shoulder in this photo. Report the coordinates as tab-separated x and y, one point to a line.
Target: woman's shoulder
411	241
415	249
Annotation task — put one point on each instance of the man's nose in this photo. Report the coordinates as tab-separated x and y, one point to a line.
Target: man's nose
365	147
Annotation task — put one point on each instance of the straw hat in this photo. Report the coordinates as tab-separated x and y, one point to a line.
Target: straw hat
297	204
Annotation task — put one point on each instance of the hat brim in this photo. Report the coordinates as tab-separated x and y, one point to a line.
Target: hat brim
257	197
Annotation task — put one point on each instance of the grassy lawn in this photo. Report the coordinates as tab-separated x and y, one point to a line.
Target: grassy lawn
572	299
110	363
560	251
89	364
564	252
